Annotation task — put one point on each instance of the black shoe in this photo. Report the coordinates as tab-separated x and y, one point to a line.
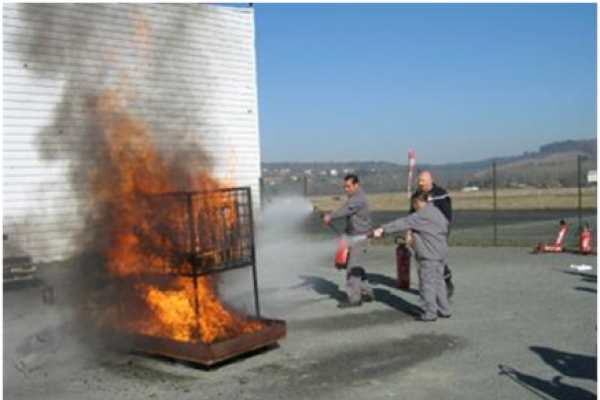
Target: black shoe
367	298
449	288
350	304
426	319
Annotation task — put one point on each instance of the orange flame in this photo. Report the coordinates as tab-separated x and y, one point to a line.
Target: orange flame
126	185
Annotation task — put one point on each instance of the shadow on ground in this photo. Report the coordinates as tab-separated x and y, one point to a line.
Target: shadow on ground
390	282
544	388
395	302
586	277
586	289
568	364
327	288
323	287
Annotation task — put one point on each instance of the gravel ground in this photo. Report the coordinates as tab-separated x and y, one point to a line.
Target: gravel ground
524	327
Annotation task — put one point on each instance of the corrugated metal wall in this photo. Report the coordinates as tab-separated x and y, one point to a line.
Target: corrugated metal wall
187	70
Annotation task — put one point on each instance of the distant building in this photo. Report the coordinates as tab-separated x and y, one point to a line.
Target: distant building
333	172
592	176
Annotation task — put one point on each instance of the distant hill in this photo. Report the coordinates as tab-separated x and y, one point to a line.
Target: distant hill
585	147
553	165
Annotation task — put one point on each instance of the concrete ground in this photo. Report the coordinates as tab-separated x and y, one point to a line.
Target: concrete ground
524	327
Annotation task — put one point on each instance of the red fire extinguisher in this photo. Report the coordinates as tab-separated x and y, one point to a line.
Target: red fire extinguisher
585	240
341	255
402	264
343	251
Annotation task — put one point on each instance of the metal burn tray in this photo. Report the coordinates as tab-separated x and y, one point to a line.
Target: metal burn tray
205	354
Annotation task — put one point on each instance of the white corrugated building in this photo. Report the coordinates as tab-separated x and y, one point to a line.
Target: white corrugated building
189	71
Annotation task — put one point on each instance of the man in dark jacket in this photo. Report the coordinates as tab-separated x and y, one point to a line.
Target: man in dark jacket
357	214
441	199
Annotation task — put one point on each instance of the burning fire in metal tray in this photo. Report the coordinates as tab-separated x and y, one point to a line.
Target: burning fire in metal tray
166	247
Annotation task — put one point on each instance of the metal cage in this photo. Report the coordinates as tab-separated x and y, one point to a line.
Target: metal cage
200	234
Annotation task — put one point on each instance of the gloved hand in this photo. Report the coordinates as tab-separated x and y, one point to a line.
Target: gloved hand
377	233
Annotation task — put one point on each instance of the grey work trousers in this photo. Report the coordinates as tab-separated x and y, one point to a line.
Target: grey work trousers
432	288
357	285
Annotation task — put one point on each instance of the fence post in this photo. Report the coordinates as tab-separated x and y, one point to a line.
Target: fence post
495	203
579	185
305	185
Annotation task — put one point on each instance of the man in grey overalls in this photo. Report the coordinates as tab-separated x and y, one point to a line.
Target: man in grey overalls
429	229
441	199
358	224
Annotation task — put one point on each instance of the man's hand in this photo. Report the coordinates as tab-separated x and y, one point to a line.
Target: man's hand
377	233
327	219
409	238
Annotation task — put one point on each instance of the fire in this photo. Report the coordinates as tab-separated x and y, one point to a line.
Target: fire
174	313
128	186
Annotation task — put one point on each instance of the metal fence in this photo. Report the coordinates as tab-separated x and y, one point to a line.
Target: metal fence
524	205
501	203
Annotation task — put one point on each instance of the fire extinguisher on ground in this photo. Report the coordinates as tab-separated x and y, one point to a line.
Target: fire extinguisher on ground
585	240
403	255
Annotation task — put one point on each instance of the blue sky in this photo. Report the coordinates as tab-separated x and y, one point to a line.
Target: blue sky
457	82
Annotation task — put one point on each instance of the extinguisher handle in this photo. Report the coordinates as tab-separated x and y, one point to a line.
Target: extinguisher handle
333	228
400	239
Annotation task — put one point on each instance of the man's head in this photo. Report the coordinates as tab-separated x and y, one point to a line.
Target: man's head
420	199
425	181
351	184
